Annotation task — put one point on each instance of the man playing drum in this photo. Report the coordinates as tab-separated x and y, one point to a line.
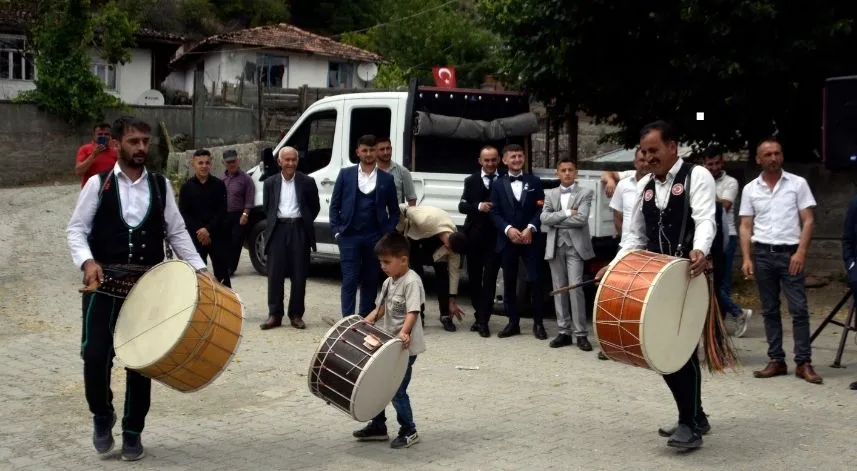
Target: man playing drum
660	224
121	218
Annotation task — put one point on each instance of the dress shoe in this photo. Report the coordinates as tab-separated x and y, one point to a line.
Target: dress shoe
539	332
853	386
561	340
448	325
583	344
272	323
298	323
483	331
685	437
808	374
774	368
474	327
509	330
702	427
602	356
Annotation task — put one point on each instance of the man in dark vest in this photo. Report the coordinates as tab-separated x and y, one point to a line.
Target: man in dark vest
119	223
660	223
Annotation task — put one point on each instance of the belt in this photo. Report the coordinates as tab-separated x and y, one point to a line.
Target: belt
775	248
289	220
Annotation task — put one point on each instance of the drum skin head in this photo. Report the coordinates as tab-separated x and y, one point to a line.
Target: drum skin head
156	313
379	381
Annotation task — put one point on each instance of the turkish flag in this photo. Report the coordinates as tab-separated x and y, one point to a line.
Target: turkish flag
444	77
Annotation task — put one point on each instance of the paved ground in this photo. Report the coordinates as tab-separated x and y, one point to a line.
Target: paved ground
526	407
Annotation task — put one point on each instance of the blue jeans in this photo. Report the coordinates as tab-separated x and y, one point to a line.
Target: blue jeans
725	288
772	271
359	266
402	404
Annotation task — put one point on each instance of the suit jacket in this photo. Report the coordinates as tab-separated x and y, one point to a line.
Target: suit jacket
508	212
308	203
344	198
555	221
477	225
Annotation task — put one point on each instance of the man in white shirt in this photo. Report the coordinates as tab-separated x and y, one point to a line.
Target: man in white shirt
625	193
727	194
776	226
118	228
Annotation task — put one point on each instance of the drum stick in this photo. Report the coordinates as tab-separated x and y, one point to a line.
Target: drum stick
571	287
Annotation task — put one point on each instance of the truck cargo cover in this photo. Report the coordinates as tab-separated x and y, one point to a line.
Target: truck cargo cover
428	124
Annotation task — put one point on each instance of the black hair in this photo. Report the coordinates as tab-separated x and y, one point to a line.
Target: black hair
202	153
368	140
393	244
512	148
769	139
101	126
458	242
125	124
711	152
566	160
664	128
382	139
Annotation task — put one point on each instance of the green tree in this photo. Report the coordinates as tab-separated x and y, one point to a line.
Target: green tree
753	66
62	38
329	17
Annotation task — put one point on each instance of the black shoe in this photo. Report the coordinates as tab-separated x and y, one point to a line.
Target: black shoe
509	330
561	340
685	437
405	441
583	344
853	386
474	327
102	434
539	332
448	325
132	447
371	432
483	331
702	427
602	356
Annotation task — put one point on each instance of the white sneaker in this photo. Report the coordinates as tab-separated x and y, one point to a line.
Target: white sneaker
742	321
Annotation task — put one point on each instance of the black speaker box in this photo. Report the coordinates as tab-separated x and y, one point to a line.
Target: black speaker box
839	123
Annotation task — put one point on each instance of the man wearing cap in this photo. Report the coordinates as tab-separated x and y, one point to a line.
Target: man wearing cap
240	198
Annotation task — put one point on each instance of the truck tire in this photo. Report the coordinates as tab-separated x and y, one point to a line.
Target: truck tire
256	247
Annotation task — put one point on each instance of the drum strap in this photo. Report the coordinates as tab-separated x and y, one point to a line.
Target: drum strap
687	212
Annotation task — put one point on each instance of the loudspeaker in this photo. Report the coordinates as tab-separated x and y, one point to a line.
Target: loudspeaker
839	123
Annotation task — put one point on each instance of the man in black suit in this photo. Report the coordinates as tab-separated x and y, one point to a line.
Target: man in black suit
291	205
516	208
482	262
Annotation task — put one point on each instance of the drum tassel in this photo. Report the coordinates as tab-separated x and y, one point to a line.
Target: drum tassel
717	345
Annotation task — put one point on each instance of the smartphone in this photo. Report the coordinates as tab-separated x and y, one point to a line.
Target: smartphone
101	140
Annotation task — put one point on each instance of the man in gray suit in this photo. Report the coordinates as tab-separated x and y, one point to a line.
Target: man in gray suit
565	217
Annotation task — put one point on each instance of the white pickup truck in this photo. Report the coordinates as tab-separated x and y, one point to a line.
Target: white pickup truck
326	134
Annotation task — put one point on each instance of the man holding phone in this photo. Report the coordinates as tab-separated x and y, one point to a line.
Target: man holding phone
96	156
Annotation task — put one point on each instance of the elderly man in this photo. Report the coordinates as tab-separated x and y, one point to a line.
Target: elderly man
291	205
435	241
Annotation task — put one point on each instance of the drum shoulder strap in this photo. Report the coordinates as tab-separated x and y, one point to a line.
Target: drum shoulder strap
687	212
159	185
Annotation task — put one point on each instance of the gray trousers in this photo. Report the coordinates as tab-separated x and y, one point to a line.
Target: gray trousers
567	269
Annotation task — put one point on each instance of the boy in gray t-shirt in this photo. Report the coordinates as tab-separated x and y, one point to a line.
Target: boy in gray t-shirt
399	310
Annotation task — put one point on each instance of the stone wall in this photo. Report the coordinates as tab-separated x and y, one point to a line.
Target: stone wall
249	154
37	148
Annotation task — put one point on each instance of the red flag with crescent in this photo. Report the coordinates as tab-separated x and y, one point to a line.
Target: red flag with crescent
444	77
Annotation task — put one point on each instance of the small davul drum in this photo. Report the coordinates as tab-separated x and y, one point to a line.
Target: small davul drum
649	312
358	368
178	327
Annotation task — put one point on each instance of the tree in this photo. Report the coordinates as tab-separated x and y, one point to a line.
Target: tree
330	17
754	67
65	32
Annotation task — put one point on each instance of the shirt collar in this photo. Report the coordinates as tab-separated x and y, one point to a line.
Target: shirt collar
567	187
117	170
519	174
237	174
675	168
290	180
485	174
374	170
761	181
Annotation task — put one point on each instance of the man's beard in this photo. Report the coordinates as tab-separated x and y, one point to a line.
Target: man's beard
129	159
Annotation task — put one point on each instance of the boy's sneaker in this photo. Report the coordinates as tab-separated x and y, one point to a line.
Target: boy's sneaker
371	432
405	441
742	321
132	447
102	434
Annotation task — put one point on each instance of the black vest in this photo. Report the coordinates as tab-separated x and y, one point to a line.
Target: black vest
113	241
365	218
663	227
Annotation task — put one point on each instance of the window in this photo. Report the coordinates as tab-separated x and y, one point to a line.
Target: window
15	62
107	74
273	71
314	141
374	121
340	75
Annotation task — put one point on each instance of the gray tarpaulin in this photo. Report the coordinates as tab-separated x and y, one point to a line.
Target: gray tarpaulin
428	124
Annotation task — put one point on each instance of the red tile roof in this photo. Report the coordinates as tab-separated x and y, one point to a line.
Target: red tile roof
283	37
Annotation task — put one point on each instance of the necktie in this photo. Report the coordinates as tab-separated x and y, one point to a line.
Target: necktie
516	179
564	191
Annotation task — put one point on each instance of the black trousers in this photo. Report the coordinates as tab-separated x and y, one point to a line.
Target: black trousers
422	254
532	256
99	319
218	250
236	233
288	256
686	386
483	265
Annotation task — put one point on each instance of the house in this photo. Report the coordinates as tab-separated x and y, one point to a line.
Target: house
280	56
147	69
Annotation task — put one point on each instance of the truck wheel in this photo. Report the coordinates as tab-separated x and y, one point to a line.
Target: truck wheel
256	247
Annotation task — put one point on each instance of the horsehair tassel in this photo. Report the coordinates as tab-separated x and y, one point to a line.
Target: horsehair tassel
719	351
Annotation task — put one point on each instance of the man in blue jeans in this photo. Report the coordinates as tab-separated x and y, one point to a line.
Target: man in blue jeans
727	193
776	226
363	208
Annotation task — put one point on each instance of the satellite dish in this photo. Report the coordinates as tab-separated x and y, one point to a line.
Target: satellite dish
367	71
151	98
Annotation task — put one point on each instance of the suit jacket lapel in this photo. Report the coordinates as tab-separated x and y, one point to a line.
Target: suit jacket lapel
299	186
278	188
524	184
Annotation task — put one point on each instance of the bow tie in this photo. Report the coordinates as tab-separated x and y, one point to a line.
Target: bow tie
516	179
564	191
